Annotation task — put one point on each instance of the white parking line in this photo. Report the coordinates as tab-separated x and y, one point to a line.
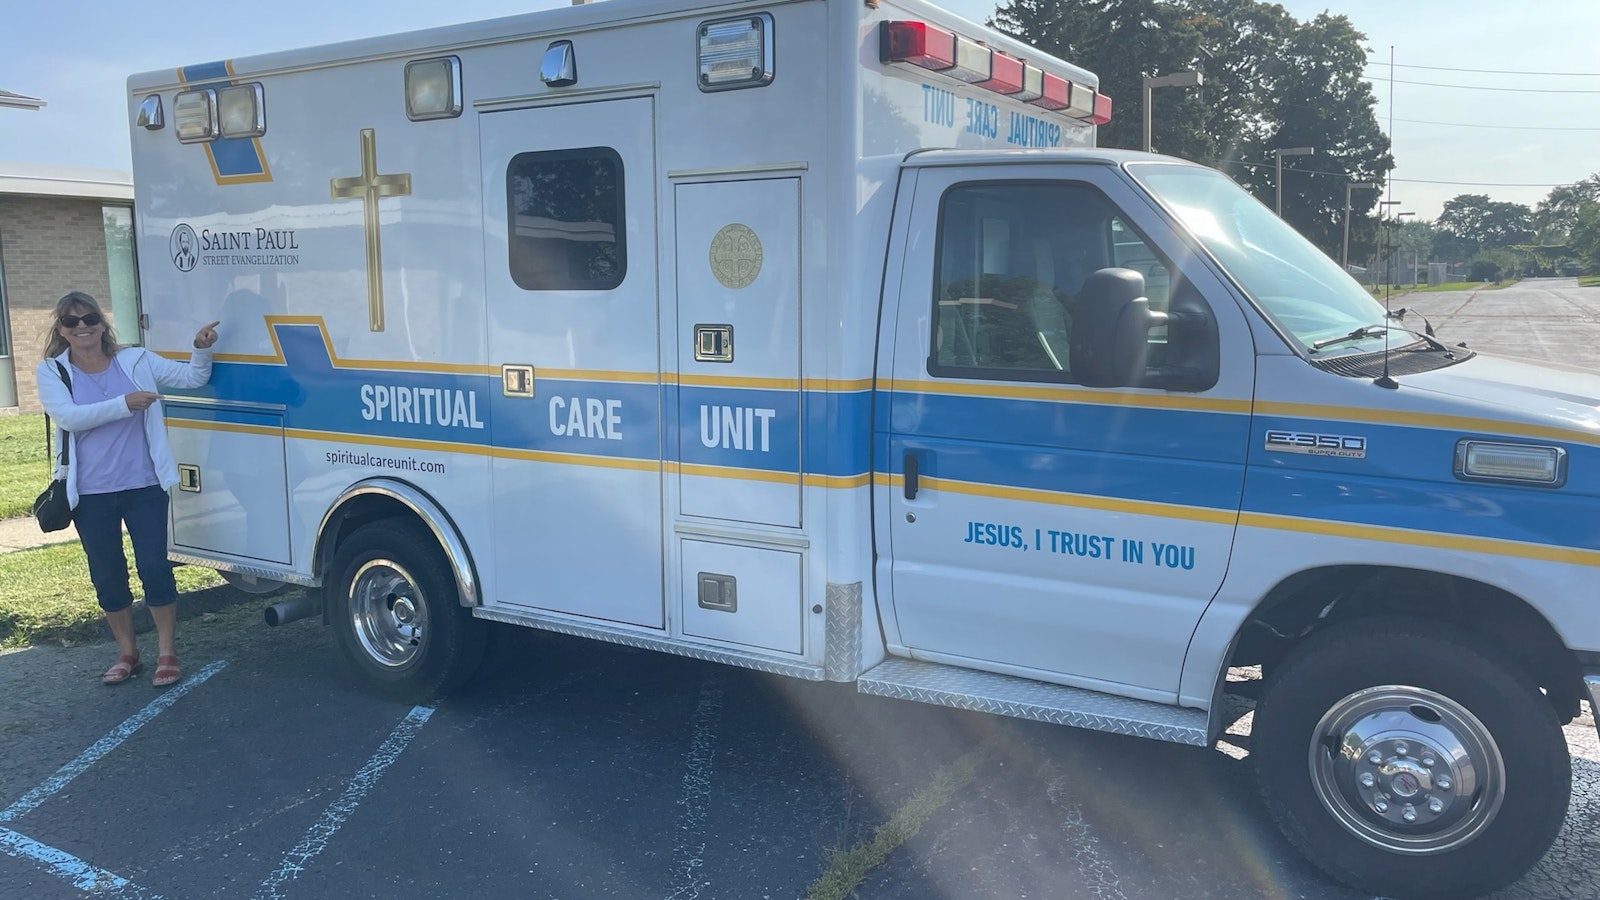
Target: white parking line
110	742
691	844
64	865
59	862
317	837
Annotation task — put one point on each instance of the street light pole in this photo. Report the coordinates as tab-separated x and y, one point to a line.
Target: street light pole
1176	79
1386	234
1344	254
1281	152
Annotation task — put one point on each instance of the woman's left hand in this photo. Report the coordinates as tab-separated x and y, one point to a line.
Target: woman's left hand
206	336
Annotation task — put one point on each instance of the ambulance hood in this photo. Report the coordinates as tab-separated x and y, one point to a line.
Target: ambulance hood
1520	390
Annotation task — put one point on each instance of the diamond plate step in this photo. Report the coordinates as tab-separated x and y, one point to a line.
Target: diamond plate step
1004	695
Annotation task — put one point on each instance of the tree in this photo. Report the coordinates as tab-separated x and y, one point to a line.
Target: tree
1472	223
1555	215
1122	41
1318	98
1271	81
1584	239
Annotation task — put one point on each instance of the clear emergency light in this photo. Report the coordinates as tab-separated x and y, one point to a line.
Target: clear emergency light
194	116
241	111
1519	463
954	56
433	88
735	53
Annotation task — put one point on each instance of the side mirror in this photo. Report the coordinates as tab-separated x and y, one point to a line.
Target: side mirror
1111	324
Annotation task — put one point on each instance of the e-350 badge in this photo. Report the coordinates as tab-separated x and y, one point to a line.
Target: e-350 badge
1347	446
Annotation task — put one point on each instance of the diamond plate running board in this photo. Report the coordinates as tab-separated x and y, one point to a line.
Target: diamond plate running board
1004	695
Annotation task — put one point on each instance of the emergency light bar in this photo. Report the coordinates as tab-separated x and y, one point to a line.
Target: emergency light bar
952	55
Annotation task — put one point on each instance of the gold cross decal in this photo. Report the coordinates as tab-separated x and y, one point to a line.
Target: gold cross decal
369	186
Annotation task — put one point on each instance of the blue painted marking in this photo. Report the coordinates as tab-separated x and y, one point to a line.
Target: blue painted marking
237	157
317	836
110	742
234	157
210	71
69	868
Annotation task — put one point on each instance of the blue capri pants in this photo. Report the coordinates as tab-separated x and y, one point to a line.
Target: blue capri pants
99	518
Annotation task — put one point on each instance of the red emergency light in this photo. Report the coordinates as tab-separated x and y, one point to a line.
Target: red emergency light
1005	74
959	57
919	44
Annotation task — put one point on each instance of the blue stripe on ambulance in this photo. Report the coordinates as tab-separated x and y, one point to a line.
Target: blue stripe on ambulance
233	157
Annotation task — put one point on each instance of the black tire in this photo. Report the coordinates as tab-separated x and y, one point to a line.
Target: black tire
391	597
1470	847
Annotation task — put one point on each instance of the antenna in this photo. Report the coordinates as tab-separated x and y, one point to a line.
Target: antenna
1384	381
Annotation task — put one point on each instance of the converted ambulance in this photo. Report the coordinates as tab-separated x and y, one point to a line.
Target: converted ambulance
816	337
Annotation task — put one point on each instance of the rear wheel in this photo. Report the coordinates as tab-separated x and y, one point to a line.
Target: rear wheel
396	613
1410	760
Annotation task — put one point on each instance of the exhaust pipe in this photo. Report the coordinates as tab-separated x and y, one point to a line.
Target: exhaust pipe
294	608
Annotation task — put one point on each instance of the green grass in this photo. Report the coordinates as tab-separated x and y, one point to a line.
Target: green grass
46	597
1589	281
24	465
1464	285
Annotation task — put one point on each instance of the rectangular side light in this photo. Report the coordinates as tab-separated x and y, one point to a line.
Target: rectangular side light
433	88
194	116
1032	84
1102	109
1080	104
974	62
1514	463
735	53
1007	74
918	44
241	111
1054	92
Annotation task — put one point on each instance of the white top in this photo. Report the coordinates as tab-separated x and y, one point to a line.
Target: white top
148	372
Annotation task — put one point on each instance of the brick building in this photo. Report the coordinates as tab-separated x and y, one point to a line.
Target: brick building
61	229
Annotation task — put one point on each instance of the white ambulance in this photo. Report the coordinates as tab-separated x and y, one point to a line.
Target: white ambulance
815	337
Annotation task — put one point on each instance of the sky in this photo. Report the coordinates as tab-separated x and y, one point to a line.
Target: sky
77	54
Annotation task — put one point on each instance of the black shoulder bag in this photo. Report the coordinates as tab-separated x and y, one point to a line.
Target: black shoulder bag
52	509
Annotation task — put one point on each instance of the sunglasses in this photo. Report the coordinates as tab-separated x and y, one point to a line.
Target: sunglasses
90	319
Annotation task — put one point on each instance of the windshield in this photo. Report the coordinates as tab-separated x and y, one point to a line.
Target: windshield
1294	283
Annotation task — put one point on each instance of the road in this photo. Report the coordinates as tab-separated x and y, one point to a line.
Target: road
579	770
1548	319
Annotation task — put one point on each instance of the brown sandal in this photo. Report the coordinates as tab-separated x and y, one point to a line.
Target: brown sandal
167	671
126	666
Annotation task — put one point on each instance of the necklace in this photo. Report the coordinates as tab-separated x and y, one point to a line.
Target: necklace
99	379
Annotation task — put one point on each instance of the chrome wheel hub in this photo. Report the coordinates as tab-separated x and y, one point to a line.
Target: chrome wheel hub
1407	769
387	612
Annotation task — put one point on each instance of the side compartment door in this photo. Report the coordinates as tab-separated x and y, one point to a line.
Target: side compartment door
1037	526
570	257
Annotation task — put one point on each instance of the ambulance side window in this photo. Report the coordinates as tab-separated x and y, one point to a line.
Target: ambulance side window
1010	260
567	230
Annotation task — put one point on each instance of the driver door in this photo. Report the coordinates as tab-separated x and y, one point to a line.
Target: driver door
1038	526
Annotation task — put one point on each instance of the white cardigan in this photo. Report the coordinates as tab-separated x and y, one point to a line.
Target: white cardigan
148	372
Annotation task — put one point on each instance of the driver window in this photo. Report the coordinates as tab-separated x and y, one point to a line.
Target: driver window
1011	257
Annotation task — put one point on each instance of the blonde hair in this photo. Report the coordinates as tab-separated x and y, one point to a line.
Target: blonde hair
54	343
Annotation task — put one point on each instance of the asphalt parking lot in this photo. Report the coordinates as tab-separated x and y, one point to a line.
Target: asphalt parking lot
576	770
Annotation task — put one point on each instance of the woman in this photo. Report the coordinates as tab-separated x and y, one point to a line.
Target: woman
119	465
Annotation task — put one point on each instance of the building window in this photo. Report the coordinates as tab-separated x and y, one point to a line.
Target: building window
566	229
122	273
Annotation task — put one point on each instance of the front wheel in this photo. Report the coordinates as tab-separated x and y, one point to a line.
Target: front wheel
1410	760
396	614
